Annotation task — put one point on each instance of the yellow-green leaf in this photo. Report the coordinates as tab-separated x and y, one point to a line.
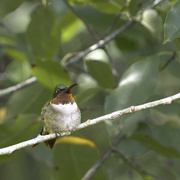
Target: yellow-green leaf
77	141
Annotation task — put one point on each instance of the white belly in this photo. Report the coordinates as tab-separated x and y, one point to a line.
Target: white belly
61	118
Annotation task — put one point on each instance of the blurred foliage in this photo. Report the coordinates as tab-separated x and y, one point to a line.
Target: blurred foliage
35	36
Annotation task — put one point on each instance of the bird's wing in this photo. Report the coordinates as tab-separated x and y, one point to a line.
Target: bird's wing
44	110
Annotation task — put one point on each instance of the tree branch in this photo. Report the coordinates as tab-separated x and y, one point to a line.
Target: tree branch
111	116
96	38
136	166
110	28
155	3
104	41
89	174
21	85
73	59
100	43
83	20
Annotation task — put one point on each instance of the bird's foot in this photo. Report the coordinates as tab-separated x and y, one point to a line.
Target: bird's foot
57	134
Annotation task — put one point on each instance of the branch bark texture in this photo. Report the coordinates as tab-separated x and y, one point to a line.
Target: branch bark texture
21	85
111	116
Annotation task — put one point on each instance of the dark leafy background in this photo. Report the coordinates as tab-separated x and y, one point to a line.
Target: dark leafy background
36	36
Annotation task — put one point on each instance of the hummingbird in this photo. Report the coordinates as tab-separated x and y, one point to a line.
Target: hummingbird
60	114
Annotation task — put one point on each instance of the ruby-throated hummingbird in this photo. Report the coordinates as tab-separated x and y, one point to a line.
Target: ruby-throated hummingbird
60	114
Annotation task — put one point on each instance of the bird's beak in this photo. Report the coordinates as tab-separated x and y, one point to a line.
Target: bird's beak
70	87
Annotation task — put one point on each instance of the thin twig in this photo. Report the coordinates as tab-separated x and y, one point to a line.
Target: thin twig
169	61
111	116
96	38
114	70
155	3
21	85
136	166
83	20
100	43
73	59
104	41
89	174
110	28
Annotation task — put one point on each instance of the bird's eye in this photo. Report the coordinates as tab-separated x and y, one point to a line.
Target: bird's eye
58	90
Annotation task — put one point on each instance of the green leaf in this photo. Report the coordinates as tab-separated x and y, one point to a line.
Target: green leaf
20	129
79	2
137	5
136	86
172	24
72	162
165	115
71	25
104	18
153	22
153	163
50	73
131	123
107	6
43	33
125	43
18	71
28	100
15	54
168	136
42	155
102	73
18	20
174	68
154	145
8	6
86	95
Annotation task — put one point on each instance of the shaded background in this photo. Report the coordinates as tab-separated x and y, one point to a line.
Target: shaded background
140	65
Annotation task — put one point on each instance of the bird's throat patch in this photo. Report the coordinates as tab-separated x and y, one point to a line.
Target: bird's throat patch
63	99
